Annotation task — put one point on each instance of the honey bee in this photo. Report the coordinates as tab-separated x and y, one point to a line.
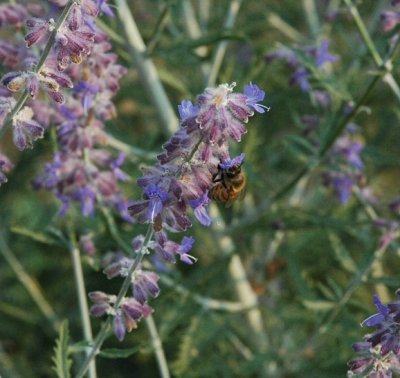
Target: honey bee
230	184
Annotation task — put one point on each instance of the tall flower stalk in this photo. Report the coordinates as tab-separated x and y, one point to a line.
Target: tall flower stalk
180	181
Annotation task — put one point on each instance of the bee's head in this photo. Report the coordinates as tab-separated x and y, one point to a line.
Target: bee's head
234	170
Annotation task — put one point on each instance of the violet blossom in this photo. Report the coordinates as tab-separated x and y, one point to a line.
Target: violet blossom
303	60
74	40
5	167
379	352
178	182
345	167
82	170
183	176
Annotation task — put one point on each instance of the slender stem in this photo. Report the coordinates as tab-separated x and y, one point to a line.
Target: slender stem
98	342
160	26
133	152
205	302
147	70
21	101
311	13
81	292
359	277
194	31
374	265
112	227
32	287
379	62
220	52
346	119
158	348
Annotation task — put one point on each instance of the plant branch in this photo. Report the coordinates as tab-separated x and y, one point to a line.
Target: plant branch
24	97
81	291
98	342
158	348
146	68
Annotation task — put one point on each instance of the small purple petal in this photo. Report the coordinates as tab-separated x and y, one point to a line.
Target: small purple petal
119	326
254	95
187	110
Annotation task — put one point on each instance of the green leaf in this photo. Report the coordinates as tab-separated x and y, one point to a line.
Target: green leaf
118	353
342	254
62	364
318	305
206	40
34	235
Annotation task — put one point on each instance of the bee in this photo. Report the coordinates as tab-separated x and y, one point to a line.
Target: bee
230	184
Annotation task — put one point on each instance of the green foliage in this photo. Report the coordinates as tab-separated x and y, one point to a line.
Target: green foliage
303	252
61	360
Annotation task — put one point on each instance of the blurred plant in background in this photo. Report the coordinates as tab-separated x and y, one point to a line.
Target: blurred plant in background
282	278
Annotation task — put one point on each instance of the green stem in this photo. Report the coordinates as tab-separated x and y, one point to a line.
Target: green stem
21	101
98	342
361	276
158	348
221	49
160	26
81	292
379	62
147	69
346	119
32	287
311	14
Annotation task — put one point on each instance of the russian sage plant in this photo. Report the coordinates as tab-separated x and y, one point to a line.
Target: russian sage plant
124	181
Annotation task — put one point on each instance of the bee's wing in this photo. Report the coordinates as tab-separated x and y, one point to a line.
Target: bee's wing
229	202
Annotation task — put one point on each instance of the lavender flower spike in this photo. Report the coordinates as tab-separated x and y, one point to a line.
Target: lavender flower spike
379	352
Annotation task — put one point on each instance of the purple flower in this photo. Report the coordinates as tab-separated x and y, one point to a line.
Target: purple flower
301	78
222	113
126	316
321	98
187	110
343	187
39	28
105	8
184	248
295	59
87	197
5	167
322	54
25	129
87	244
9	54
168	249
156	197
378	318
199	206
12	14
255	95
235	162
87	93
394	206
379	351
345	167
119	326
144	285
389	20
73	45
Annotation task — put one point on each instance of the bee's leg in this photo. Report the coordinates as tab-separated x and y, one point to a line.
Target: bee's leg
215	179
224	181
